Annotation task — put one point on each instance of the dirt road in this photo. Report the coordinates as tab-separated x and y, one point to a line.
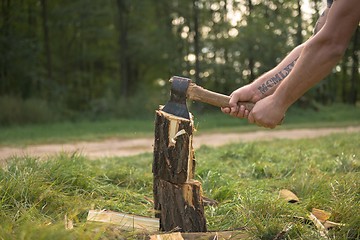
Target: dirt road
128	147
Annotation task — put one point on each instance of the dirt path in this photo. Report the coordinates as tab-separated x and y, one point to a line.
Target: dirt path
118	147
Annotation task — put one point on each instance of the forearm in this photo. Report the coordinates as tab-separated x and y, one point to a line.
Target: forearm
315	63
266	84
321	53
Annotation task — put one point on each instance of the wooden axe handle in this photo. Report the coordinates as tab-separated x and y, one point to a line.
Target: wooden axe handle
197	93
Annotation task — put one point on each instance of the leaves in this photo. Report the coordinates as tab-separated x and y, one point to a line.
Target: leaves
113	50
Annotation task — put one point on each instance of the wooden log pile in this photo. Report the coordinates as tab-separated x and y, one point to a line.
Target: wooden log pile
177	196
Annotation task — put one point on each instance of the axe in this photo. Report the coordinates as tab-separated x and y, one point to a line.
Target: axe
182	88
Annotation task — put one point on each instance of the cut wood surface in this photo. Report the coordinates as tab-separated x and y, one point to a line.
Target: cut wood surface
125	221
222	235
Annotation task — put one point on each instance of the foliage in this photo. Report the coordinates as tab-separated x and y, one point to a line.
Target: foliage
244	178
84	55
30	111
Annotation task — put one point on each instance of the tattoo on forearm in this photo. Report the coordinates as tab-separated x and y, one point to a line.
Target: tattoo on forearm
273	81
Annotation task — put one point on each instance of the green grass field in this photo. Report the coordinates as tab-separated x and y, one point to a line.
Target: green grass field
244	178
332	116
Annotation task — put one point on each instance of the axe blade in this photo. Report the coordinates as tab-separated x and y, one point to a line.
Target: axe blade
177	103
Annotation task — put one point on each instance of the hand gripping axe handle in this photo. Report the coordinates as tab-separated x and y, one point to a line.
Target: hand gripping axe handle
183	88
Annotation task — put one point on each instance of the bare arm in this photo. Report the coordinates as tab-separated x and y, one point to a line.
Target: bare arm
322	52
267	83
319	55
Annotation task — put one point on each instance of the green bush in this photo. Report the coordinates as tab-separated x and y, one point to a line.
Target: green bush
16	111
143	104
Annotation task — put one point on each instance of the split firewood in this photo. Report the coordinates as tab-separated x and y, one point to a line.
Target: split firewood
327	224
167	236
322	230
68	223
124	220
323	217
224	235
284	231
209	202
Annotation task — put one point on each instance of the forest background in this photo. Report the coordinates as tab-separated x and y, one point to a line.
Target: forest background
70	60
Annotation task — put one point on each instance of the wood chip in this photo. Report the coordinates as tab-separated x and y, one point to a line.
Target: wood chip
321	214
322	230
68	223
329	224
288	196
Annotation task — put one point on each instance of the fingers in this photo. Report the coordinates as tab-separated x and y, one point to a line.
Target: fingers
238	111
233	104
226	110
234	109
242	112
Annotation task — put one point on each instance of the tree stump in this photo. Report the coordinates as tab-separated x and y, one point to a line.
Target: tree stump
177	197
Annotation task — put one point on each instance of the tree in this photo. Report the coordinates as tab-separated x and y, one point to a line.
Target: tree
47	48
355	76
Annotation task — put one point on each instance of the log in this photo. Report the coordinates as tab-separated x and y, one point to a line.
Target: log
125	221
179	206
177	197
174	159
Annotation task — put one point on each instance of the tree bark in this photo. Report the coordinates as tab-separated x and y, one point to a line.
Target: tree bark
5	85
123	47
299	36
45	25
251	62
180	206
354	70
196	41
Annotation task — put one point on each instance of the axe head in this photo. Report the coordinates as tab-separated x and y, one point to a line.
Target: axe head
177	103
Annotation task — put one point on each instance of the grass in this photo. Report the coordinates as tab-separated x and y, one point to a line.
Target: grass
332	116
244	178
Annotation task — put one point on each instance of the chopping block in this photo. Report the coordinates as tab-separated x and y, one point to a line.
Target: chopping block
178	201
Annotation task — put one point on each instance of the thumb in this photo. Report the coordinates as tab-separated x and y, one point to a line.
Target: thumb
233	103
226	110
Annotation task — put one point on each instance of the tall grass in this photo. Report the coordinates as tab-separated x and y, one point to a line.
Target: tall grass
15	111
244	178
